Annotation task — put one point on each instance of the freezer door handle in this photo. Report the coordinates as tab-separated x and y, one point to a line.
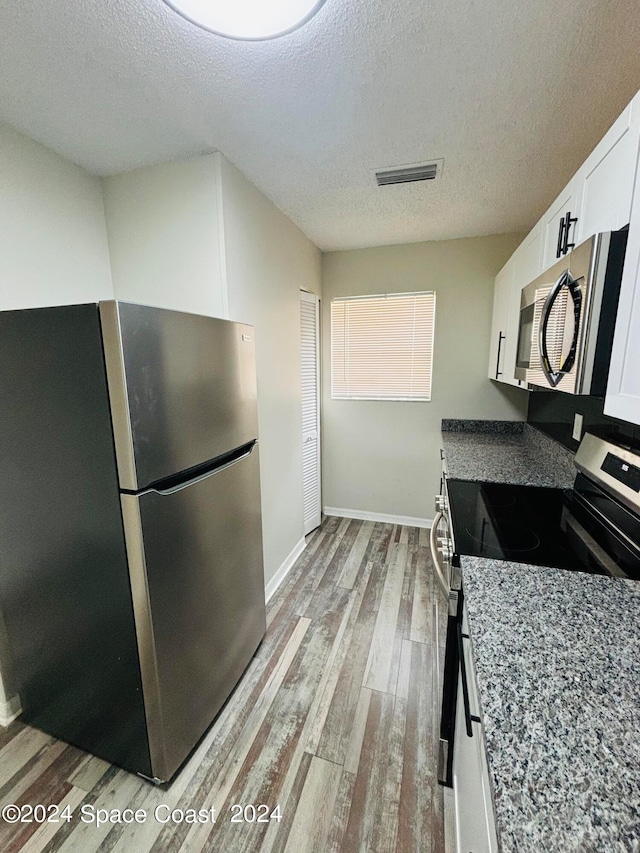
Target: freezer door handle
215	467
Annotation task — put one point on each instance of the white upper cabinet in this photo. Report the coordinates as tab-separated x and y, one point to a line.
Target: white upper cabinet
521	267
525	263
623	388
604	183
597	198
500	322
528	258
558	227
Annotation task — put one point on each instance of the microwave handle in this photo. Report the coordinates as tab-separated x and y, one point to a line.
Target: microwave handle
565	280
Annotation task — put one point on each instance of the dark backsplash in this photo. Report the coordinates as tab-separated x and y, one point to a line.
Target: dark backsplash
552	412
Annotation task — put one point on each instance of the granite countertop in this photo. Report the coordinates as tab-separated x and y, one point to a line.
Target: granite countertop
505	452
557	658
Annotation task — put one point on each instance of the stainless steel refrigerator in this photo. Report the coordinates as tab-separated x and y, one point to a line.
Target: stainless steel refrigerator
131	575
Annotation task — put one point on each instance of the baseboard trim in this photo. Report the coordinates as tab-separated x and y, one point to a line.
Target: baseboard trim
283	571
10	710
363	515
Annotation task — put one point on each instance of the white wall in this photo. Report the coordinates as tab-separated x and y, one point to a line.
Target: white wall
53	251
53	242
268	260
163	228
383	456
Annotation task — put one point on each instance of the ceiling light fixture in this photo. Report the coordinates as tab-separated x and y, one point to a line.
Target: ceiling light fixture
247	20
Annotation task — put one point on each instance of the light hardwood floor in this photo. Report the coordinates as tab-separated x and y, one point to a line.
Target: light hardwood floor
335	721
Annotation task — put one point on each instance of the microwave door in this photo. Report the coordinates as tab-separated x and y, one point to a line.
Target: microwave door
567	318
533	299
528	365
550	331
525	338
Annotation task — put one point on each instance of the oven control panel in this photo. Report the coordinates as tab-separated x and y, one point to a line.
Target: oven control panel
625	472
615	468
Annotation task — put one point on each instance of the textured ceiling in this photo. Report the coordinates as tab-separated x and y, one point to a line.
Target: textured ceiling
512	95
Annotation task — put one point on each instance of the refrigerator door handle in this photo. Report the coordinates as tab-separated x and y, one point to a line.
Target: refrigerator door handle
215	468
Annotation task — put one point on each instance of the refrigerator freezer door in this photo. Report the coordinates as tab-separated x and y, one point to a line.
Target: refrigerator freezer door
195	560
182	389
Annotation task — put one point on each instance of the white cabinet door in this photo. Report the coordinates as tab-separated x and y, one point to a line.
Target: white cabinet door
604	183
474	814
529	258
310	366
526	264
554	240
623	388
521	268
499	326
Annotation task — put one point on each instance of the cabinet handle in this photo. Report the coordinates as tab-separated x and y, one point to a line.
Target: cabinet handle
568	222
468	716
501	337
560	239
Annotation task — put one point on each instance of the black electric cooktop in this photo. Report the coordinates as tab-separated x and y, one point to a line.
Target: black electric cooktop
520	524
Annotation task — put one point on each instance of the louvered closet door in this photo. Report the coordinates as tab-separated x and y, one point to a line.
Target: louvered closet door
309	350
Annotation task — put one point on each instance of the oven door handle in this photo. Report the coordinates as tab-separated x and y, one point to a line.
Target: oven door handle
434	553
565	280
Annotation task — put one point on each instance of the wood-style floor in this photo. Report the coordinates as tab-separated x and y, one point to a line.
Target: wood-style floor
335	721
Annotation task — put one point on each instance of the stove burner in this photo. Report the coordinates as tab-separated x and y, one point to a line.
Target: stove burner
506	536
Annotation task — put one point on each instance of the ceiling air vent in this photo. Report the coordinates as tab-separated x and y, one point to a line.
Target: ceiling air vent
408	174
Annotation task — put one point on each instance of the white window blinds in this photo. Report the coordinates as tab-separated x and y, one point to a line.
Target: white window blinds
382	346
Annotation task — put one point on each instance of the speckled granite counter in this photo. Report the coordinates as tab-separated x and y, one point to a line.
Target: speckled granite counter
505	452
557	658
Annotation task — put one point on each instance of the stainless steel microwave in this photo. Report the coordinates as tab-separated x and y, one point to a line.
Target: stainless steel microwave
568	315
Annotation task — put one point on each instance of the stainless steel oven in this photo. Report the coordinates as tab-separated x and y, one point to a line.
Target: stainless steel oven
443	554
567	318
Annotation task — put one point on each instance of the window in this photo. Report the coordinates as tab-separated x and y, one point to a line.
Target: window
382	346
